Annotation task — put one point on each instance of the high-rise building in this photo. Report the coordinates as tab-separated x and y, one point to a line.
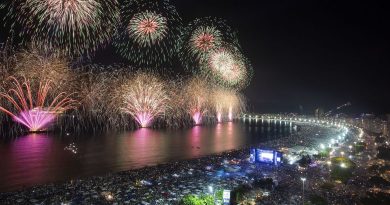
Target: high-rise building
372	123
385	129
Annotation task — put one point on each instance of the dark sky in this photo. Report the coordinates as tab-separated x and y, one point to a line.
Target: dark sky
309	53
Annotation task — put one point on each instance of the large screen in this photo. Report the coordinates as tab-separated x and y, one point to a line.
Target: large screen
266	156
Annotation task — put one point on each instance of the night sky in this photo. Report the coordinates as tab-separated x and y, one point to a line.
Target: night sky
306	53
309	53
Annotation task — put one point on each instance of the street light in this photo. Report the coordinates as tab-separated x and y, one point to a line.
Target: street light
211	191
303	189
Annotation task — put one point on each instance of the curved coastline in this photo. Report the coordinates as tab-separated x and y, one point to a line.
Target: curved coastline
126	183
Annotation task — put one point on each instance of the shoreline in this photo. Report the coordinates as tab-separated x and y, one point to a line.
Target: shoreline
138	183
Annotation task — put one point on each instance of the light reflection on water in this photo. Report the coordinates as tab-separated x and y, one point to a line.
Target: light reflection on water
40	158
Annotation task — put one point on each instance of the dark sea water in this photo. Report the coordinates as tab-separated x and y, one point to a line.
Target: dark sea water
42	158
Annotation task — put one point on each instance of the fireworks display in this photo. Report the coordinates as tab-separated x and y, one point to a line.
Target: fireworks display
196	94
210	48
227	103
37	67
145	98
201	37
147	28
93	93
5	62
70	27
149	32
106	97
31	106
49	38
228	67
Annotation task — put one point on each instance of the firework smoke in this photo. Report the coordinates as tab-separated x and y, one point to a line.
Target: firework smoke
227	103
36	67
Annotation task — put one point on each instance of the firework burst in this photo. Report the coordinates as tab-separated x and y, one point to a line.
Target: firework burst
205	39
196	97
227	67
71	27
201	37
147	28
145	98
34	113
149	32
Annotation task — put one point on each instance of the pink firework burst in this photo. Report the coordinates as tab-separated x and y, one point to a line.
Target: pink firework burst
36	119
204	41
197	117
219	117
34	112
196	94
147	26
144	119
